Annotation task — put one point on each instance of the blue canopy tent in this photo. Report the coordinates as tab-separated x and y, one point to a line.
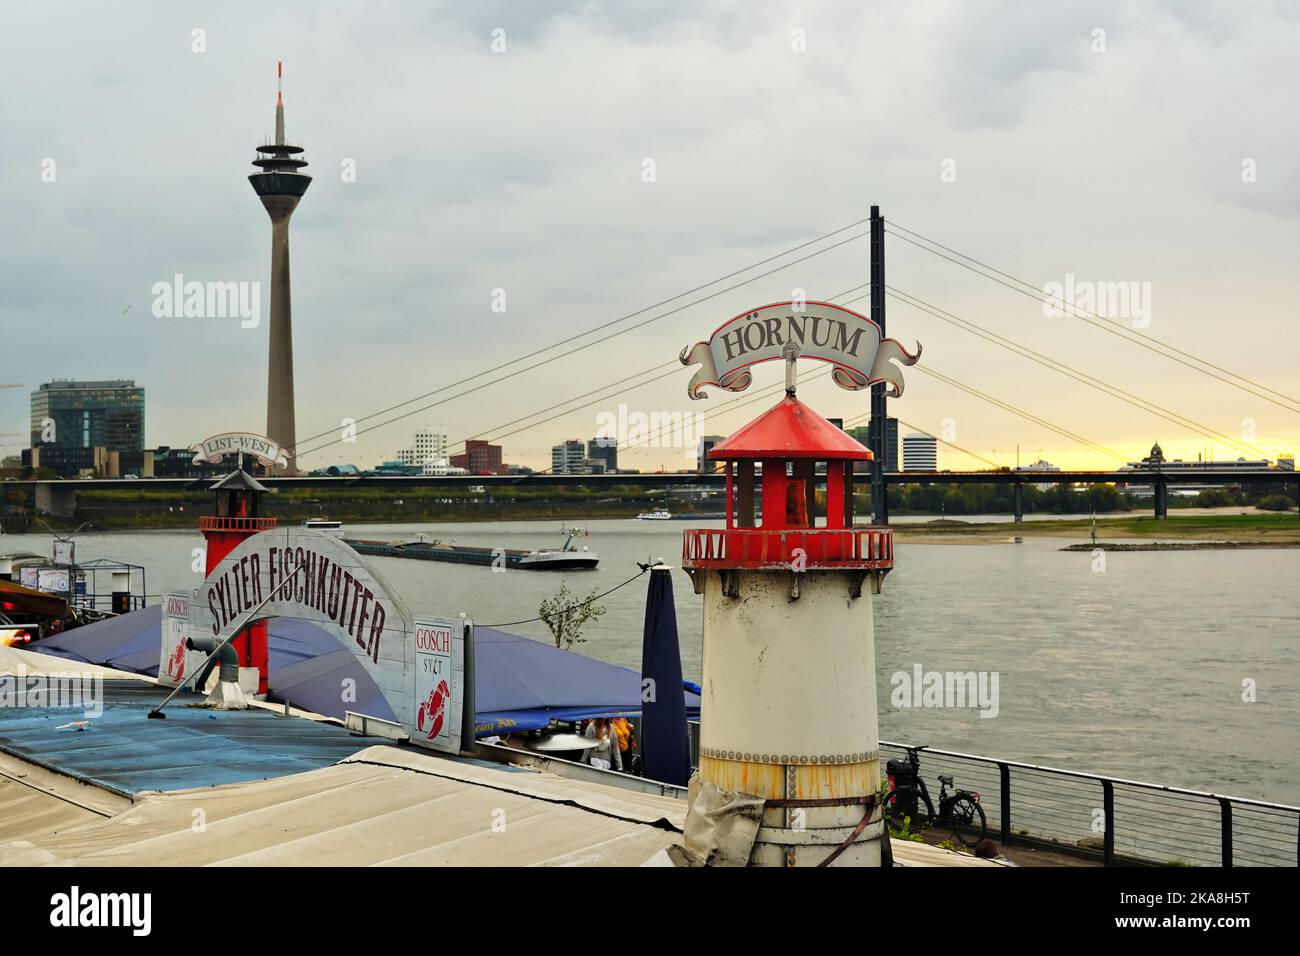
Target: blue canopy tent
521	684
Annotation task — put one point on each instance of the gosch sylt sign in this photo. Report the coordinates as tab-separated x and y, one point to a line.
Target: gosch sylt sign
829	333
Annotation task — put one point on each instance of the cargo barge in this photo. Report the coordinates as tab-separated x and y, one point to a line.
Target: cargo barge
566	558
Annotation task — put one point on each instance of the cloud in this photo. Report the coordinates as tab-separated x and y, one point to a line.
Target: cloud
523	171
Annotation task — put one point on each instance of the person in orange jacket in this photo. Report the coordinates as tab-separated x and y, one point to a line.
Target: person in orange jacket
626	741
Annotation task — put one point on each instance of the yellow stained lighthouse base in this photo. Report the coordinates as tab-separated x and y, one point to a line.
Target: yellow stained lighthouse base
788	709
805	836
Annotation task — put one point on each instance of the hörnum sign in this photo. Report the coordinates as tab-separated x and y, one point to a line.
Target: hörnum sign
828	333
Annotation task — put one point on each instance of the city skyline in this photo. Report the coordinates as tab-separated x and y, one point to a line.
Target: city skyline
406	244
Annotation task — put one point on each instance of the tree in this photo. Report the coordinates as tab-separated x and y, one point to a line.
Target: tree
566	618
1275	503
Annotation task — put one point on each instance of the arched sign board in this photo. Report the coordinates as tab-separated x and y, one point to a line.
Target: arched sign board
418	664
850	342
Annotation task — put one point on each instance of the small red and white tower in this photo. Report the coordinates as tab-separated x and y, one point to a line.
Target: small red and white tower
788	708
238	516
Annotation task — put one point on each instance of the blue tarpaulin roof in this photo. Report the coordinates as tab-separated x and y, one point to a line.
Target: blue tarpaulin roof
126	752
521	684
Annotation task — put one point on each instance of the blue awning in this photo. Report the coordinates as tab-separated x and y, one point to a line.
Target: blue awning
521	684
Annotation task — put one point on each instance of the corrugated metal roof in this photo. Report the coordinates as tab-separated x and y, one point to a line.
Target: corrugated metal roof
387	806
35	802
382	807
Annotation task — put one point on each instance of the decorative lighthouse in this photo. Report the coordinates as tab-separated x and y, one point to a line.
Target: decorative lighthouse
788	711
239	503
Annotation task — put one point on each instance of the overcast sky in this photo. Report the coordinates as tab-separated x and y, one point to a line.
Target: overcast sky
1153	143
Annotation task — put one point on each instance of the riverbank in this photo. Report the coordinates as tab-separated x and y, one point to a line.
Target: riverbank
1280	530
1179	545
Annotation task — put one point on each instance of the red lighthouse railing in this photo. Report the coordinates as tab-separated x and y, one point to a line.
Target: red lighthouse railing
868	549
235	523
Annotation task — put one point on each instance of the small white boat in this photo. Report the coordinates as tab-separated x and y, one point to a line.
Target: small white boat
326	525
659	514
567	558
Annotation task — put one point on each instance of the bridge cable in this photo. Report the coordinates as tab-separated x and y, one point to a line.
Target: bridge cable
616	321
1101	322
1063	368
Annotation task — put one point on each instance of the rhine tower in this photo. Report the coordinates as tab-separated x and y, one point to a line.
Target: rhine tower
281	185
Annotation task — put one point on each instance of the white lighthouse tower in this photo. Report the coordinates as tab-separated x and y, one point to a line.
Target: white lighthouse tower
788	711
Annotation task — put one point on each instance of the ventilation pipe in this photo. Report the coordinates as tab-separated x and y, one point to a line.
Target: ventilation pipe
227	694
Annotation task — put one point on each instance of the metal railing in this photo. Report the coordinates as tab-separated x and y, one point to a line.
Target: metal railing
820	547
233	523
1110	820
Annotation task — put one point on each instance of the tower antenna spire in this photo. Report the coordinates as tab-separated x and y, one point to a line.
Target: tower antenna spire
279	103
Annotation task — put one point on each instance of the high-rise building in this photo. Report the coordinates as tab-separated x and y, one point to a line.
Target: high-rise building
567	459
71	419
280	186
703	465
604	450
429	444
864	435
920	452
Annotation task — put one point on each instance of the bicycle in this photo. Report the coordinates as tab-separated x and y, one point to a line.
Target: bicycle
959	809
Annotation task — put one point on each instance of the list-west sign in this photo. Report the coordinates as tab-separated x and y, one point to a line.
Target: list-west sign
239	443
829	333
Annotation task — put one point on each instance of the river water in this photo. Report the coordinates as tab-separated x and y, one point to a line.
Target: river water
1137	670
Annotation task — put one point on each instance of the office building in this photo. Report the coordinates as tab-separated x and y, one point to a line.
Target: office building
920	452
568	458
76	426
429	444
605	451
703	465
479	458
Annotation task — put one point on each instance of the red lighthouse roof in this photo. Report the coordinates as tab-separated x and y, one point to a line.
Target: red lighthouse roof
790	429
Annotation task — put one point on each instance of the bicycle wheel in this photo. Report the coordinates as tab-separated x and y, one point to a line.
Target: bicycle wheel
967	818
